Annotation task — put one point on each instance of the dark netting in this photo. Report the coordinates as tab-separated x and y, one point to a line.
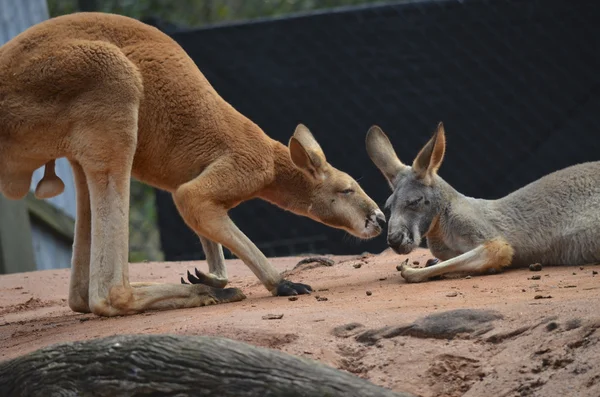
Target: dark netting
516	83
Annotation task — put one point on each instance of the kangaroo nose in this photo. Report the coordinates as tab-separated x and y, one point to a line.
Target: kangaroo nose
399	242
380	218
395	241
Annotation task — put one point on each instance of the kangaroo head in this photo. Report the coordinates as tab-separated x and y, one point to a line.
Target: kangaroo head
333	198
418	192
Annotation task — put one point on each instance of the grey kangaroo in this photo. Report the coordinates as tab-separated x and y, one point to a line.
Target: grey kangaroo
554	220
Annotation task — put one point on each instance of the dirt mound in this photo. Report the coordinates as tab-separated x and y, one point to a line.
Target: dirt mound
480	336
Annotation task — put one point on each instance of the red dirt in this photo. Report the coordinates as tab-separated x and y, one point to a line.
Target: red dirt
542	347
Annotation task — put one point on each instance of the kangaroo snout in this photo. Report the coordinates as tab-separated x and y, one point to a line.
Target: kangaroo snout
378	217
401	242
374	223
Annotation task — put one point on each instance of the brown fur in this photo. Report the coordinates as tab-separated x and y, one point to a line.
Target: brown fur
119	98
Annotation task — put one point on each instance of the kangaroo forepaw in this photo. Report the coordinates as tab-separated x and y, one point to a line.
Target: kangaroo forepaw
288	288
411	275
206	279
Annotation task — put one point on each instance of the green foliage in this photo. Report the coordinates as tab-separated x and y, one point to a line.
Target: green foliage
199	12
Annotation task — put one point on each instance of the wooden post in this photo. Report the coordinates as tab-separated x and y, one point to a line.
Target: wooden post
16	248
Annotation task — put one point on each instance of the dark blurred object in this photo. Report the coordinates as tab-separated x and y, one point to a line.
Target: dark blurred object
516	84
87	5
159	23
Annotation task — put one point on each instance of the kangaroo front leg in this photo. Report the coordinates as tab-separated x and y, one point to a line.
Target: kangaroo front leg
495	254
217	273
210	219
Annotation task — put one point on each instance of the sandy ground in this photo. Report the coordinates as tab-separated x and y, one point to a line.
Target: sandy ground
534	347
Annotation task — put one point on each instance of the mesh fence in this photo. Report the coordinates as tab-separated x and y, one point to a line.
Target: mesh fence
515	82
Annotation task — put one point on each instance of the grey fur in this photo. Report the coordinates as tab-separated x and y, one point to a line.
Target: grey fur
553	220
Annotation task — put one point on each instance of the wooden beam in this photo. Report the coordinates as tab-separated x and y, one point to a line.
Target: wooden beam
61	224
138	365
16	246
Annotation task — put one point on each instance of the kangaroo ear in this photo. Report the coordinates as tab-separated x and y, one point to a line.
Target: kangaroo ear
382	154
430	158
306	153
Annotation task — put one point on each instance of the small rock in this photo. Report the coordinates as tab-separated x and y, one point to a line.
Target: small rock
369	293
357	265
536	277
574	274
551	326
293	298
416	263
594	272
320	298
272	317
432	261
542	297
523	290
452	294
535	267
580	267
382	278
468	277
323	289
573	324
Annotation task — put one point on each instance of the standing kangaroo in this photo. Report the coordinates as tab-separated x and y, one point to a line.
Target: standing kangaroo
119	98
554	220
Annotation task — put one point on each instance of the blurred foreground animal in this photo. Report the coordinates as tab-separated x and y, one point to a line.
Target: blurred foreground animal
119	98
554	220
170	365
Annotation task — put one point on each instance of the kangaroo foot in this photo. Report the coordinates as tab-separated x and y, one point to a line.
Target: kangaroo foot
227	295
206	279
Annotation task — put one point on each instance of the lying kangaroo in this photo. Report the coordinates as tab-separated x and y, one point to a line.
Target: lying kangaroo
119	98
554	220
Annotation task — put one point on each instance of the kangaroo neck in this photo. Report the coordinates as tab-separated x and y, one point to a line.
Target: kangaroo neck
291	189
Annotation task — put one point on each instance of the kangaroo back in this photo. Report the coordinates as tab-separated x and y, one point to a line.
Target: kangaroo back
554	219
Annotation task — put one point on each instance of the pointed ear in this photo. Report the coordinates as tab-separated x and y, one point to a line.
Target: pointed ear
382	154
429	159
306	153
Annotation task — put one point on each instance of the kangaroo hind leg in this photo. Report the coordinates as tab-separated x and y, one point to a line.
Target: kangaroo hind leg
217	272
495	254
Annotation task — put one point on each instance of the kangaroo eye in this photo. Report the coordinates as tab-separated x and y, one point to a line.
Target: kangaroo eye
413	203
347	191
